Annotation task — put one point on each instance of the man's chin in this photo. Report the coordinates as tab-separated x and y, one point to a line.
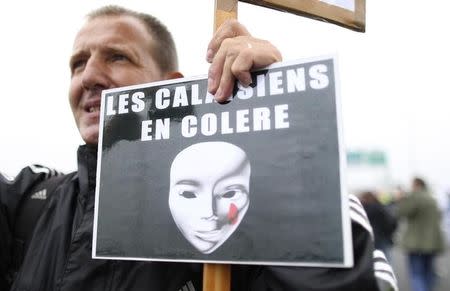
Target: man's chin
90	135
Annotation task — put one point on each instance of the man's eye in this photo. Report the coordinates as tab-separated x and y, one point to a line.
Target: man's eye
77	64
188	194
118	57
229	194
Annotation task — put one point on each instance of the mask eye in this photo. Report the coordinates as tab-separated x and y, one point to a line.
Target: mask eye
188	194
229	194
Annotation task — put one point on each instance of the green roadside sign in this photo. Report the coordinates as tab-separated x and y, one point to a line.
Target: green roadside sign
368	158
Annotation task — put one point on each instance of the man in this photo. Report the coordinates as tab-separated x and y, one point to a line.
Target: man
423	238
118	47
208	204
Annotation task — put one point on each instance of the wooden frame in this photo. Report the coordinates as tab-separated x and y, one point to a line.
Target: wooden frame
321	10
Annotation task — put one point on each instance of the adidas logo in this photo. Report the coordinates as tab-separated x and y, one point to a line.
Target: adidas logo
42	195
6	177
188	287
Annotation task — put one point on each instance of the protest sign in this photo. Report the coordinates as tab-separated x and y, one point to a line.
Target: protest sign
255	181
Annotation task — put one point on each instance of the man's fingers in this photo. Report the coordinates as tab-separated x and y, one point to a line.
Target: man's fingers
229	29
233	52
234	60
226	81
241	67
217	66
234	68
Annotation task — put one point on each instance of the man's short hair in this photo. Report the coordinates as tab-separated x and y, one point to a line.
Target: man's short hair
420	183
163	48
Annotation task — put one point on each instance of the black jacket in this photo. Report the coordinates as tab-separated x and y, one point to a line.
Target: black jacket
59	255
383	223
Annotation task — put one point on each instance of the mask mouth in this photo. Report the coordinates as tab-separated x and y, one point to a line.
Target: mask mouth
209	236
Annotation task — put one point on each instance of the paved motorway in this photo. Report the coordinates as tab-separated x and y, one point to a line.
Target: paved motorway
401	271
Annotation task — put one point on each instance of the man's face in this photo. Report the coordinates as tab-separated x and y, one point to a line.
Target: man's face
108	52
209	192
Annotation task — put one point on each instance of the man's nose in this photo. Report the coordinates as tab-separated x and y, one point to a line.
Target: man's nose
95	75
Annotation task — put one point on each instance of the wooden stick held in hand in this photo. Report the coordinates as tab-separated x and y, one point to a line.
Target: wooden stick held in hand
217	277
225	9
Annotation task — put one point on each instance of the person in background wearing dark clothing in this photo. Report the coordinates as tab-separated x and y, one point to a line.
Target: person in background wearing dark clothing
118	47
382	220
423	238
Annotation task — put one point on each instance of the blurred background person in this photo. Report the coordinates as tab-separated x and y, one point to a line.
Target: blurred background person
422	238
382	220
447	216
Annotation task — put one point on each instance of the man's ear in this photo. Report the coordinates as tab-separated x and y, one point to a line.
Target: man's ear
173	75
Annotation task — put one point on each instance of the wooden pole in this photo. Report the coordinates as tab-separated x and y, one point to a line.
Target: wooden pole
217	277
225	9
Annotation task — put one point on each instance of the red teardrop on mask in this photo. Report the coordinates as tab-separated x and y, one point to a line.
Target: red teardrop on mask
232	213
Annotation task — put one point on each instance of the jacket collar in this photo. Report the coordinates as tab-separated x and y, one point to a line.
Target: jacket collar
87	167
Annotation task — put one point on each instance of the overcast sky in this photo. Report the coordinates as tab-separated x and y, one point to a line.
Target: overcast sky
394	77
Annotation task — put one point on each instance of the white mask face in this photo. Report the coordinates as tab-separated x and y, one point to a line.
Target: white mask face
209	192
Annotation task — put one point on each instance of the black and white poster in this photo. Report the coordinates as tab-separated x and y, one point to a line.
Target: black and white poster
255	181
